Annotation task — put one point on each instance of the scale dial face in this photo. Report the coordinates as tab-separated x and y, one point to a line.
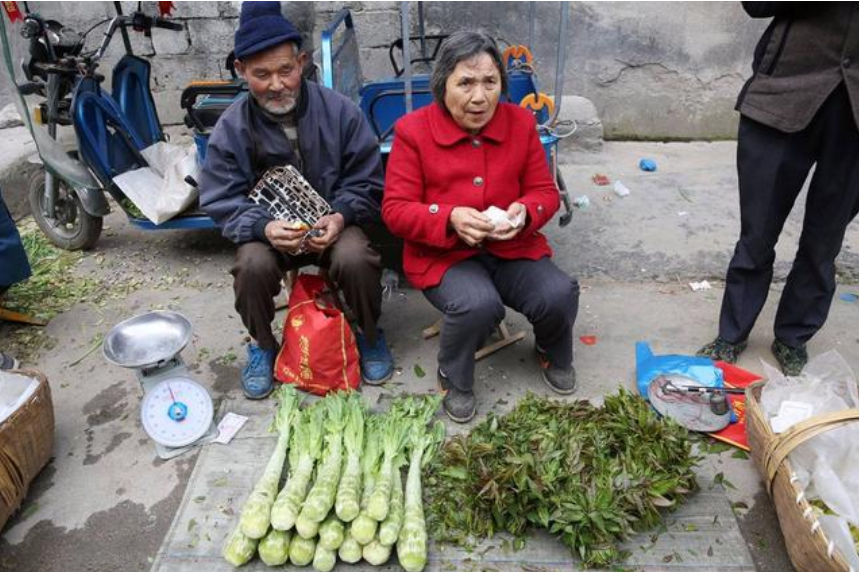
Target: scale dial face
176	412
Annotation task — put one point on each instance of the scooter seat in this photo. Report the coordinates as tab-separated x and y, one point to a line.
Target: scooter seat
108	144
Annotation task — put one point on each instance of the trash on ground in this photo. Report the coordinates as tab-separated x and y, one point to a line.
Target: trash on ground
848	297
647	165
588	340
702	285
683	213
581	202
600	179
620	189
229	426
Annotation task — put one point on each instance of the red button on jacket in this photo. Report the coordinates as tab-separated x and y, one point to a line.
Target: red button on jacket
433	162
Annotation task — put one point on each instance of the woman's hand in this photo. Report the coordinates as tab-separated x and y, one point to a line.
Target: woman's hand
507	232
470	225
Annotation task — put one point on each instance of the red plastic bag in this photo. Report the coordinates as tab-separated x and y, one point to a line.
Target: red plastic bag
319	353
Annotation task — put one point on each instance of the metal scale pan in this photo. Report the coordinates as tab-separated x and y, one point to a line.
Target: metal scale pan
176	412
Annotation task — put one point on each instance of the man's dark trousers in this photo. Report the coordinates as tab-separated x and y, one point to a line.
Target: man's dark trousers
352	264
772	167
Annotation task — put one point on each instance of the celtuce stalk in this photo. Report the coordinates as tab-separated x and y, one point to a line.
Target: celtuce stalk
389	530
274	547
306	528
331	533
376	553
348	501
350	550
305	449
239	549
256	514
364	527
393	437
321	497
324	559
301	551
412	543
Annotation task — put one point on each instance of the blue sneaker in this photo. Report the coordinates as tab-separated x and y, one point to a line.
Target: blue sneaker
257	382
377	363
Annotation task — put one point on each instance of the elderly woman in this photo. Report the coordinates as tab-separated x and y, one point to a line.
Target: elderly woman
451	161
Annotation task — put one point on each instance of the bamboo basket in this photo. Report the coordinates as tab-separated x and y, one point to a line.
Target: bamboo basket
807	545
26	445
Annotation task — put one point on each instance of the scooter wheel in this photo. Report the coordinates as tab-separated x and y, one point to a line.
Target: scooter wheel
69	226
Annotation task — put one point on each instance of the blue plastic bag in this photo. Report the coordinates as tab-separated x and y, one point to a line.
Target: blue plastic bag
647	165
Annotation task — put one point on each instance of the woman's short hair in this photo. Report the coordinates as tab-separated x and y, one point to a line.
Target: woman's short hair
458	47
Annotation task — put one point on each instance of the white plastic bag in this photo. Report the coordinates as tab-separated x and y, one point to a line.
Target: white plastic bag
160	190
827	466
15	390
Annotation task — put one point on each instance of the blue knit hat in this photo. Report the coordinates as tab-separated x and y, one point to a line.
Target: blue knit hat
262	26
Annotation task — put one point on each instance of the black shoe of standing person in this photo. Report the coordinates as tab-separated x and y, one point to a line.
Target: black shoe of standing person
8	362
561	380
460	406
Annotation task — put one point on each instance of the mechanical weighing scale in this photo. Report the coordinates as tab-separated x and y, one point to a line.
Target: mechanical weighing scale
176	412
692	405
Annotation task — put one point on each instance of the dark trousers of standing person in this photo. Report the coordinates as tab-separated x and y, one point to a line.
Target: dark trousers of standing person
772	167
352	265
472	296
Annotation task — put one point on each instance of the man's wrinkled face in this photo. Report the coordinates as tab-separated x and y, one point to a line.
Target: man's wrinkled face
274	77
472	92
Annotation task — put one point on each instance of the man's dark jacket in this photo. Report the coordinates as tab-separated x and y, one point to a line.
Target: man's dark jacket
339	152
806	52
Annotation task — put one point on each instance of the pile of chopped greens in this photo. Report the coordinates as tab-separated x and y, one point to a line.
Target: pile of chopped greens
589	474
53	287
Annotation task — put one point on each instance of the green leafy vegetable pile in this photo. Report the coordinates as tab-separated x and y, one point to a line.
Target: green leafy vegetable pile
589	474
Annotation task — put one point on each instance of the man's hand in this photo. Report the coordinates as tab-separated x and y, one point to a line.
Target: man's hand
507	232
331	226
470	225
283	236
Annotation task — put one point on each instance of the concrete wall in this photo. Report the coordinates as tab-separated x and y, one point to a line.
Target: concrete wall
653	70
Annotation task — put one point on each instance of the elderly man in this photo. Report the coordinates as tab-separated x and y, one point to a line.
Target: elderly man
287	120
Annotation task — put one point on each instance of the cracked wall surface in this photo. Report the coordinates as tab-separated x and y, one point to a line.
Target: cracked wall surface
654	70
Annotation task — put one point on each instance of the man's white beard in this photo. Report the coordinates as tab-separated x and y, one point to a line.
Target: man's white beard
280	108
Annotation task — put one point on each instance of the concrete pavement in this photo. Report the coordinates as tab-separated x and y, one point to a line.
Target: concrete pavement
105	502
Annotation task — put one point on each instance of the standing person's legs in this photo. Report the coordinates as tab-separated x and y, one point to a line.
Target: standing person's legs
549	298
472	308
356	268
771	167
833	201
